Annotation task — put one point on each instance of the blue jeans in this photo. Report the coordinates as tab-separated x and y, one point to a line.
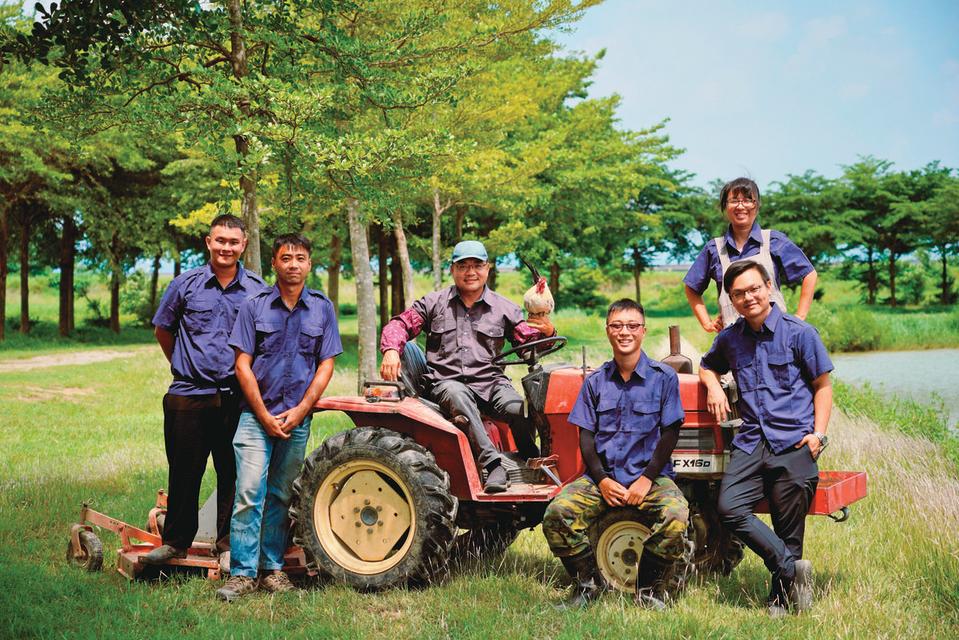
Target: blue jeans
265	470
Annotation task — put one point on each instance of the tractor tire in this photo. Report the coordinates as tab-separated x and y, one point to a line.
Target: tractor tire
717	550
373	510
617	539
91	552
484	542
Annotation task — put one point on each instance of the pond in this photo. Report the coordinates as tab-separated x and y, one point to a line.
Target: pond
916	374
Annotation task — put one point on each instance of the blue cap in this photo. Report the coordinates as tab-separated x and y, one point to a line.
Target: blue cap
469	249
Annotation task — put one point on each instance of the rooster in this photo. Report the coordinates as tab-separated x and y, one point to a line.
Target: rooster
538	299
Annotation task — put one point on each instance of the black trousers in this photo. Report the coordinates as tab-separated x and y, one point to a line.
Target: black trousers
193	428
788	480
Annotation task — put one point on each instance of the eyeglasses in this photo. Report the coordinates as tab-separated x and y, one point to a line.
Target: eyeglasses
632	327
463	267
749	204
740	294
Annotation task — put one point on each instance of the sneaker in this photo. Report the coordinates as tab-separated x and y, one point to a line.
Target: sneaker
235	587
800	592
497	481
776	611
163	554
276	583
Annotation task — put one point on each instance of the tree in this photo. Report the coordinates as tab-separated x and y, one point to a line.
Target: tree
941	226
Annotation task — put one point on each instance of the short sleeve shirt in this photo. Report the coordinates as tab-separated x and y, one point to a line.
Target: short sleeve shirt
286	345
200	314
627	416
774	369
790	262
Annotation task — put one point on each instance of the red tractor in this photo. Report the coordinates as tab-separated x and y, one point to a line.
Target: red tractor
385	503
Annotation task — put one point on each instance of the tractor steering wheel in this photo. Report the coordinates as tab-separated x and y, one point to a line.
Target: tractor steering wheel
528	354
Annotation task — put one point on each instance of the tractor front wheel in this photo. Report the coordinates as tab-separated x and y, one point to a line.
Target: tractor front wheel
90	557
373	510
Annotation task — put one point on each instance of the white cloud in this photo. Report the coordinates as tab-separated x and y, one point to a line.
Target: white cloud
770	26
823	30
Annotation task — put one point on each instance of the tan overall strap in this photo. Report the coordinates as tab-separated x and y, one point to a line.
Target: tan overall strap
765	258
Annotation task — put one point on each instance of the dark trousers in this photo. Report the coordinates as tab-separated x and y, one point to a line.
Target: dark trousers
788	481
193	428
457	399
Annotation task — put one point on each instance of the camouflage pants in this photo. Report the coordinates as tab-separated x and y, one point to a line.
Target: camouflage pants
569	515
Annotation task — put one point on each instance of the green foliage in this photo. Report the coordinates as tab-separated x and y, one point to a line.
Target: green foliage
580	289
847	329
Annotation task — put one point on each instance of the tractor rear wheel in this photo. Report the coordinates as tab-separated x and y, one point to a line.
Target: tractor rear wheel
485	541
373	510
90	557
717	549
617	539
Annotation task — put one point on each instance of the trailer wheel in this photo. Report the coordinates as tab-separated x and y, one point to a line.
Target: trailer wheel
617	539
90	557
373	509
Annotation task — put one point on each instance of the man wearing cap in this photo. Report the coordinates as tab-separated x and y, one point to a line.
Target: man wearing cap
466	325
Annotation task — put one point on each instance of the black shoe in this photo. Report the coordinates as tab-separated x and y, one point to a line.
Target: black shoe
163	554
497	481
800	591
651	582
589	581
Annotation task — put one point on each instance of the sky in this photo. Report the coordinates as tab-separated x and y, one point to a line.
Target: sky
769	89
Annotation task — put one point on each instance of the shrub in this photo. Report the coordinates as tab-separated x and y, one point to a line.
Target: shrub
847	330
579	288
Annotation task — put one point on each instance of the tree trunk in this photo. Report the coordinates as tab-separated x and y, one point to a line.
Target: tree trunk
177	259
437	257
365	305
892	279
155	281
115	283
491	280
248	179
4	239
637	273
460	215
25	274
67	266
554	278
944	296
872	284
383	252
397	297
333	272
403	256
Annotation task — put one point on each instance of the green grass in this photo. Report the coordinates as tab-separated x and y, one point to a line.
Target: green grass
94	433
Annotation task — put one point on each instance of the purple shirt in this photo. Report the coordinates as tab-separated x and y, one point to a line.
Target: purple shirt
791	263
626	417
200	314
460	342
286	345
774	370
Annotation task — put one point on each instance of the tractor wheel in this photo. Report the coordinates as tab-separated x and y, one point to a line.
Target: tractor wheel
90	557
617	539
716	549
485	542
373	509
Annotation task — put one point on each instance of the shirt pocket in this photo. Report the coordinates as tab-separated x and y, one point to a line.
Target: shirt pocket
645	416
607	416
310	338
782	369
490	337
268	337
442	335
198	316
743	371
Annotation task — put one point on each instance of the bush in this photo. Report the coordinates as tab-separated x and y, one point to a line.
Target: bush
135	297
347	309
847	330
579	288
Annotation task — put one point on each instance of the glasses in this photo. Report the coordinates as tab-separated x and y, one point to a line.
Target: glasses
463	267
740	294
749	204
632	327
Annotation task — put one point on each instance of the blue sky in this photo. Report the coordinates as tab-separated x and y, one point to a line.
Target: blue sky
768	89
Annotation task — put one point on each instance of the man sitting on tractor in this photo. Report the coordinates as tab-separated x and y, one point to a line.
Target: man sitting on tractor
466	325
629	414
785	397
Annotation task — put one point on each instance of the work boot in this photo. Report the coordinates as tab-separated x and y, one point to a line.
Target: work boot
496	481
235	587
589	581
163	554
800	591
277	582
651	581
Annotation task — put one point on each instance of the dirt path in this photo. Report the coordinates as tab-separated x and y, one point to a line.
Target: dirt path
65	358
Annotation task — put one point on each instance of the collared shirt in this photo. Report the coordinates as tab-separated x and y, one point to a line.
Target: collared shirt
791	263
461	342
286	345
200	314
627	416
774	369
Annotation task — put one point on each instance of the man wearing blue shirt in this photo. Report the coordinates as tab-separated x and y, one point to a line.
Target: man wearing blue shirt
629	414
200	410
285	340
782	370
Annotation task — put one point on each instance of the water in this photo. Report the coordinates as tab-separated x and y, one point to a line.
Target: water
916	374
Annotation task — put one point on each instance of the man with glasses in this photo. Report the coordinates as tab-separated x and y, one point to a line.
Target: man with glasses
466	325
629	414
785	397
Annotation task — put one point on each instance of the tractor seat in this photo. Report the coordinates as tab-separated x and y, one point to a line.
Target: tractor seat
412	372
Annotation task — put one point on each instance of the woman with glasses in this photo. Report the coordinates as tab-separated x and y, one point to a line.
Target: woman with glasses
744	239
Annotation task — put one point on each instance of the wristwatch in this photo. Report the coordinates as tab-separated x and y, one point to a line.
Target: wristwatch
823	440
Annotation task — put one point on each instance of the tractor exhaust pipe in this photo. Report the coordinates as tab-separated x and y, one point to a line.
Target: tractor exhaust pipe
676	359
